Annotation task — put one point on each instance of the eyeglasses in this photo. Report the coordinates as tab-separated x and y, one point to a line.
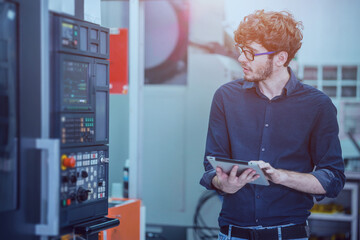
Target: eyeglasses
250	55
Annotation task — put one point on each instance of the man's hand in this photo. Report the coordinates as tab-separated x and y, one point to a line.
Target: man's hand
303	182
232	183
277	176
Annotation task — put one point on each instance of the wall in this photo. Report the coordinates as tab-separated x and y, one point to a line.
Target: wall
175	126
114	14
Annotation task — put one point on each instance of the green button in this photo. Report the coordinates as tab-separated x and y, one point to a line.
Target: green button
64	202
75	33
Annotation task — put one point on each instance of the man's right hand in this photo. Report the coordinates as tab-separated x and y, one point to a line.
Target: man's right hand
232	183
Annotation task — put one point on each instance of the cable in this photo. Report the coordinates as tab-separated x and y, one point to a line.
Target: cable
201	230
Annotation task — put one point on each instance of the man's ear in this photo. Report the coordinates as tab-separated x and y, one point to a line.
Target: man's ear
281	58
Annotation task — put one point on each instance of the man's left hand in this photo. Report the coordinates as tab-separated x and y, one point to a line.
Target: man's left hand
272	174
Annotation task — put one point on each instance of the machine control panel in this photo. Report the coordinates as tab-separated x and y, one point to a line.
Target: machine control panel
84	179
80	117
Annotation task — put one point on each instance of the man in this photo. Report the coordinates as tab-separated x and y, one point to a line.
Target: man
289	127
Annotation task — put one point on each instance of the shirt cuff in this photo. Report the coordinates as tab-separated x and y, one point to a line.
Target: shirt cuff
206	181
326	179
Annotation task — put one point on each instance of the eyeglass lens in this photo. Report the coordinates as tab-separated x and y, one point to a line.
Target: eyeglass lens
249	55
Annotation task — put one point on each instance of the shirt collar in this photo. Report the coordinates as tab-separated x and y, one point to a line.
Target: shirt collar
290	86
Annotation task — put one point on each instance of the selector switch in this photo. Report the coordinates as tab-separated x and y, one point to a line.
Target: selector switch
65	179
84	174
73	178
73	196
82	194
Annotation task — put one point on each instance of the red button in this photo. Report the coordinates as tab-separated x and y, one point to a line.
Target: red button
68	201
69	162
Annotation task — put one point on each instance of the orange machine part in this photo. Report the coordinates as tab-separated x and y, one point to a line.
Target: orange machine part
129	215
119	62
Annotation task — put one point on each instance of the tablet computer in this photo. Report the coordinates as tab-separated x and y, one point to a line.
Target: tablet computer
227	164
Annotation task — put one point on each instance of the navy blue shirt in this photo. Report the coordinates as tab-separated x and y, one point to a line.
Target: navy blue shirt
296	131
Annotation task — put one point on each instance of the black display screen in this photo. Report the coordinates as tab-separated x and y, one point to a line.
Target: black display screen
76	83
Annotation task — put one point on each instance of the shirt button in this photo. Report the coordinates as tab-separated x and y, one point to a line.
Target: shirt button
263	149
266	125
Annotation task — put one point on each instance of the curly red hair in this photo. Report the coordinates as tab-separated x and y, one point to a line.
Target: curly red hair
276	31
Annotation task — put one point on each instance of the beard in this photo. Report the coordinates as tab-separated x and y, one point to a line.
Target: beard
261	73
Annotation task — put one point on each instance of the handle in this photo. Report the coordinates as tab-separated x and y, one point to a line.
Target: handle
50	175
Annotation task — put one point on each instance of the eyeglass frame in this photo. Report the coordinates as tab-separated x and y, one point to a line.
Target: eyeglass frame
252	54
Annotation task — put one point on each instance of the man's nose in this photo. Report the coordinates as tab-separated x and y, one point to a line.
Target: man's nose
242	58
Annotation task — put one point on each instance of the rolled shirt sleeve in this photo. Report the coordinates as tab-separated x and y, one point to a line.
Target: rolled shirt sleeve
326	152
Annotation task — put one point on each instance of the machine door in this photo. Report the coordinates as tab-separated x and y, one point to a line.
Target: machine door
8	107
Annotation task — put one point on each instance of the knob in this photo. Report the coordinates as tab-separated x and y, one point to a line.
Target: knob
65	179
84	174
73	179
82	194
72	196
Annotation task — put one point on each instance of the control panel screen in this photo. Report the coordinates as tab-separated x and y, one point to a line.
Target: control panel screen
67	31
69	34
76	83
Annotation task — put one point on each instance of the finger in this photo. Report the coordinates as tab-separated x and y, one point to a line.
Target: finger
269	171
233	171
244	175
257	161
256	176
219	172
251	175
264	165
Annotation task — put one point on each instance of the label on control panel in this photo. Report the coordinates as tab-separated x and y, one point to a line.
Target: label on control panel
77	130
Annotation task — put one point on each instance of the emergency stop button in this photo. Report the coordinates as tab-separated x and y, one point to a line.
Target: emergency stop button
67	162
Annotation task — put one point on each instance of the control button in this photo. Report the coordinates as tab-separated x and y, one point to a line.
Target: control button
84	174
68	162
73	178
257	196
64	203
257	220
266	125
100	184
68	201
263	149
